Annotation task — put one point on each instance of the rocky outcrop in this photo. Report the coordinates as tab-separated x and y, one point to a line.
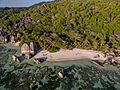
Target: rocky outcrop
15	58
18	59
12	39
4	37
19	35
1	38
25	20
33	48
117	59
29	49
25	48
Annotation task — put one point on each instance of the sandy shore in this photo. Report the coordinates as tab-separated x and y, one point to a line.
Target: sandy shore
68	55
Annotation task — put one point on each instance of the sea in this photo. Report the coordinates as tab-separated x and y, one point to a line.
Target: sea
78	75
20	3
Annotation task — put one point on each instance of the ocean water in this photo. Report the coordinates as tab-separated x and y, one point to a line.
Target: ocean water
80	75
20	3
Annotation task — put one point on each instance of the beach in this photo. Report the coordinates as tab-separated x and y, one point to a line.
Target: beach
70	55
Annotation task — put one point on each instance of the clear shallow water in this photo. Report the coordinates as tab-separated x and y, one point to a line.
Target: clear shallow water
80	75
20	3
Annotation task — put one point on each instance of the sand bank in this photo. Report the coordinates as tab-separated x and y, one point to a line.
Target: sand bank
68	55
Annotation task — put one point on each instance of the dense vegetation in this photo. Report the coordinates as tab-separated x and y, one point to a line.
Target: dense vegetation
87	24
9	11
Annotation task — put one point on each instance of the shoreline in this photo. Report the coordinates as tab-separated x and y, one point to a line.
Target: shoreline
71	55
66	62
62	61
64	55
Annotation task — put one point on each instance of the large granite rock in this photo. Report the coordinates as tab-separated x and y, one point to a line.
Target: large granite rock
29	49
25	49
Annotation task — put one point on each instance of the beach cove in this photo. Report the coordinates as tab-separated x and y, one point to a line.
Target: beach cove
59	57
59	45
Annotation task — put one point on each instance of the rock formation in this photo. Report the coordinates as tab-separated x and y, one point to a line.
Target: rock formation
4	37
15	58
12	39
29	49
25	48
18	35
33	48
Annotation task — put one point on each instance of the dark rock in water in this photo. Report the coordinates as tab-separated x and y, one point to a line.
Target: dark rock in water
18	59
40	60
97	62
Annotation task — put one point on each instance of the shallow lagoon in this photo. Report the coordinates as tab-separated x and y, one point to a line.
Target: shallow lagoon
81	74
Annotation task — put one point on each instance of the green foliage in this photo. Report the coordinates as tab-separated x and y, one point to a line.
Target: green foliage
87	24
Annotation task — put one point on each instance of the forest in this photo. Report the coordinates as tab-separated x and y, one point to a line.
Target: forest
85	24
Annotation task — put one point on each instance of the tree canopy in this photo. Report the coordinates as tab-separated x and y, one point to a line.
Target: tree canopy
87	24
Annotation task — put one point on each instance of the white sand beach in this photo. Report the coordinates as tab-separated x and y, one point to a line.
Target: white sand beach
67	55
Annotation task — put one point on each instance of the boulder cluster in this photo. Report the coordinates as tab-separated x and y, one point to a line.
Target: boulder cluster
29	50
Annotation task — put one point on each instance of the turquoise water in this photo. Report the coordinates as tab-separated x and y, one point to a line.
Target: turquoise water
20	3
81	75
